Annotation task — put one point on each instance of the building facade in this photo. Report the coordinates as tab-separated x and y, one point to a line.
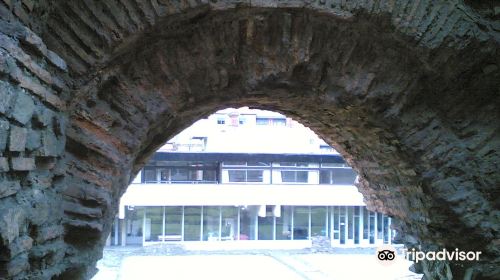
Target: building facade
247	178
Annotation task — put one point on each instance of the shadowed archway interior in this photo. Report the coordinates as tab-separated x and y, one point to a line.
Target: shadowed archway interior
407	92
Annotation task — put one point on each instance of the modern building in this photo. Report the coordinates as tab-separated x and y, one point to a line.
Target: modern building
247	178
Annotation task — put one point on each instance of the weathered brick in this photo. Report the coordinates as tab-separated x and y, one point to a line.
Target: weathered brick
4	164
4	133
17	139
51	146
8	188
7	97
23	108
48	233
23	164
34	140
10	222
44	116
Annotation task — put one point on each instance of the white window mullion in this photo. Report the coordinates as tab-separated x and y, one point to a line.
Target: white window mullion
201	224
163	225
182	224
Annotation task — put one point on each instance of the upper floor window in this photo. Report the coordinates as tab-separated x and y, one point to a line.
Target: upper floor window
245	176
150	175
337	176
221	121
294	176
179	175
271	121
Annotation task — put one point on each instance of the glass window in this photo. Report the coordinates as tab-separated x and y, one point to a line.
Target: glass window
380	228
173	220
195	175
336	218
350	219
179	174
284	224
301	176
134	222
372	227
365	223
192	223
266	224
150	175
356	224
154	223
325	177
300	222
386	229
337	176
262	121
221	121
254	176
164	175
294	176
229	223
209	175
248	217
245	175
237	175
211	220
343	176
279	122
288	176
318	221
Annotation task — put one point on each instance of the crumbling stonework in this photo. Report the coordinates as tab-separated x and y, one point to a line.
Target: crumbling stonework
408	91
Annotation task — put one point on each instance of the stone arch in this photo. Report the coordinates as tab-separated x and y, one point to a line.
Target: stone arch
407	92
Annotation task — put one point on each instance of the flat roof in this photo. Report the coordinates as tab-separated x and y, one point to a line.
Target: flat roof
191	156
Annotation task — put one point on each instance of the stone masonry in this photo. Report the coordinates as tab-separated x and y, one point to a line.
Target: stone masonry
407	91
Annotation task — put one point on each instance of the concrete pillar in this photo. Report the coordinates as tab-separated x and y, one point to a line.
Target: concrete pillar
123	225
117	229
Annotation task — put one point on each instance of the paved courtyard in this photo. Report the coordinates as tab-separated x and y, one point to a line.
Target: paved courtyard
132	263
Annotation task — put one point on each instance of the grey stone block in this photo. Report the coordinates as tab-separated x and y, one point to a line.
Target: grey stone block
7	98
34	140
23	108
8	188
51	146
4	132
18	137
44	116
4	164
23	164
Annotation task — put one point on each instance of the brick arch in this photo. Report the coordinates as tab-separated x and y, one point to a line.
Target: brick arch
407	92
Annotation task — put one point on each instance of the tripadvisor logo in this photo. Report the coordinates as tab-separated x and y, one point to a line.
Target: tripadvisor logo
386	255
442	255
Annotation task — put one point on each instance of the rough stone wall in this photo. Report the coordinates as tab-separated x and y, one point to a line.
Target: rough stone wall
32	143
406	90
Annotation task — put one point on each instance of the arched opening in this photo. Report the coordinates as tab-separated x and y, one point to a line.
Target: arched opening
407	92
247	181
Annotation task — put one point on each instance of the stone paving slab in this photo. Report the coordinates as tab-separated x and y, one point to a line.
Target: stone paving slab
171	262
